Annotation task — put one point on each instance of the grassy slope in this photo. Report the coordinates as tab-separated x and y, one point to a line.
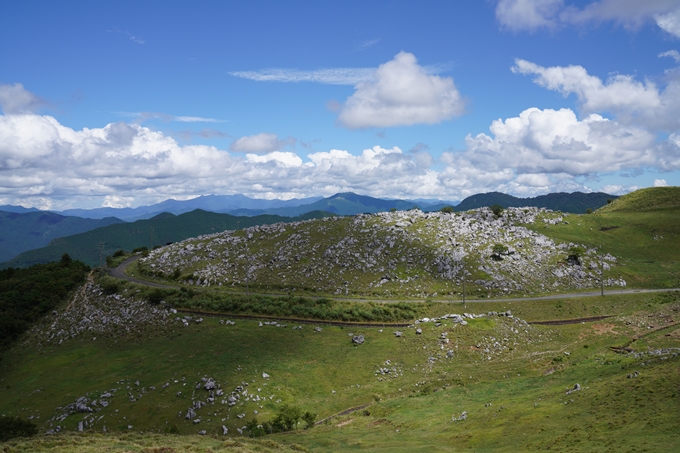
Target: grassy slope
641	227
306	367
158	230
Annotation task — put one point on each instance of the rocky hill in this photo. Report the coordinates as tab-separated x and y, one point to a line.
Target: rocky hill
389	254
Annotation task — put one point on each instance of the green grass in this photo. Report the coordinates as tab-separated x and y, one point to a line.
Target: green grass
611	412
650	199
647	244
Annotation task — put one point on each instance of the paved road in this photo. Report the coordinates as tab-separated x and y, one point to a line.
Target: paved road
119	272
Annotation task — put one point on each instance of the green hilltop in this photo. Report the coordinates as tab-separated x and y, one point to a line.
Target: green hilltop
645	200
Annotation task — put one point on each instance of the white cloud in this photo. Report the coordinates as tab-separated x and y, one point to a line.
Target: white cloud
330	76
143	116
555	142
669	22
632	102
16	99
528	14
286	158
618	189
259	143
674	54
402	94
660	183
534	14
113	201
43	163
334	76
196	119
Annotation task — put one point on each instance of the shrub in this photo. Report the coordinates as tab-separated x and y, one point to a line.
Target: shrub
11	427
118	253
496	209
447	210
309	418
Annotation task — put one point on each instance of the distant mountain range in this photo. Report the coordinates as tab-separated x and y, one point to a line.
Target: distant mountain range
212	203
22	231
25	229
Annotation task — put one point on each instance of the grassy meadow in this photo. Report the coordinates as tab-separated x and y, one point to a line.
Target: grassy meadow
510	378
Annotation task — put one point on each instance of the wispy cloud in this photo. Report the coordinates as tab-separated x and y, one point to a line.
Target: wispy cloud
196	119
335	76
166	117
131	37
369	43
674	54
330	76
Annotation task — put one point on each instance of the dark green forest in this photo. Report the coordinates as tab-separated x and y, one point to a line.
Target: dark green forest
27	294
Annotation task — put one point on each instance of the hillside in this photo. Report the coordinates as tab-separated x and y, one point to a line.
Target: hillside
20	232
471	377
646	200
390	254
576	202
159	230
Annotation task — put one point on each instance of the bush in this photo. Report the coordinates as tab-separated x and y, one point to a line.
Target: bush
11	427
287	418
118	253
447	210
309	418
140	249
497	209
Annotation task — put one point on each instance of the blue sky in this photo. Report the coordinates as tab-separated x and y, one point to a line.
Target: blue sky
130	103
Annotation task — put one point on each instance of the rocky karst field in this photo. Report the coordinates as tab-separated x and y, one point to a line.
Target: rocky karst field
407	254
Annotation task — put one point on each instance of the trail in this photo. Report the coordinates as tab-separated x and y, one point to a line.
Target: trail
119	272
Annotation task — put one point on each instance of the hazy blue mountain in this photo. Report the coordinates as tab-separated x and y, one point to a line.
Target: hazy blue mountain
22	231
212	203
21	209
158	230
347	203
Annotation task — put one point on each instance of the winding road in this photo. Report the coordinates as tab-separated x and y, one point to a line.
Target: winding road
119	272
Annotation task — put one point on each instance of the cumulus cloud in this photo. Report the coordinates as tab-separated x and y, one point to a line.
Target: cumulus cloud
632	101
402	94
534	14
260	143
674	54
670	22
544	142
660	183
16	99
286	158
528	14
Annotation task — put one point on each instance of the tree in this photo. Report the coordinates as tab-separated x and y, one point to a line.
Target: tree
287	418
65	259
497	209
447	209
309	418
